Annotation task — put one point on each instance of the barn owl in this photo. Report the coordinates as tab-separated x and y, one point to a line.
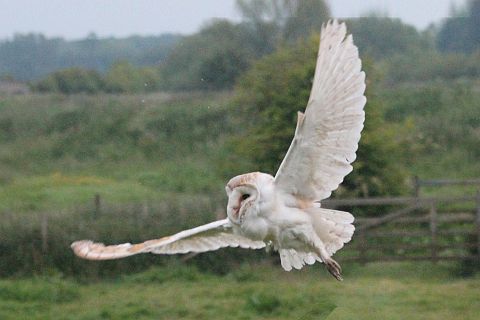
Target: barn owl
284	211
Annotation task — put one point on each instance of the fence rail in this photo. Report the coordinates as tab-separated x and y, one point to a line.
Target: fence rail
416	228
413	224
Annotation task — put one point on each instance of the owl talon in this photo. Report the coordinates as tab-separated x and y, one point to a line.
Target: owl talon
334	268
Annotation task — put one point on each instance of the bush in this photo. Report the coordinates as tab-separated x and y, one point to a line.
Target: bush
72	80
268	98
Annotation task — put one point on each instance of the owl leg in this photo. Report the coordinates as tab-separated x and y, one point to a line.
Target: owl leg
315	242
332	266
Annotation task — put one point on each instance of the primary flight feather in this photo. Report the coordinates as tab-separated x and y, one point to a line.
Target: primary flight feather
284	210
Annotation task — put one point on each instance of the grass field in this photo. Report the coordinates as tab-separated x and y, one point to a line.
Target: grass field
158	151
375	291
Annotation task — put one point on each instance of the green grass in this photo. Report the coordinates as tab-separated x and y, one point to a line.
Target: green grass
376	291
57	152
63	191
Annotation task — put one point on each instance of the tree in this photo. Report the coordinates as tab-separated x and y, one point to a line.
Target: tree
71	80
289	20
33	56
381	37
278	86
460	33
210	59
124	77
306	17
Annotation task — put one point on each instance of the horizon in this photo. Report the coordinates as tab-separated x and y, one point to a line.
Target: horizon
144	18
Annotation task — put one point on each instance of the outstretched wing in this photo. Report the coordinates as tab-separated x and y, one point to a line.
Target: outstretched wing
327	135
211	236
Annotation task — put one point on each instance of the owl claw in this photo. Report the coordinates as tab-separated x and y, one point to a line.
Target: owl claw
334	268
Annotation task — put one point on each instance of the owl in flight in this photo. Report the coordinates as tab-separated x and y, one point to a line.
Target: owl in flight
284	211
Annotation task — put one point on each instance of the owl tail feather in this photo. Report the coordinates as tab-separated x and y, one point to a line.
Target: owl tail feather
333	227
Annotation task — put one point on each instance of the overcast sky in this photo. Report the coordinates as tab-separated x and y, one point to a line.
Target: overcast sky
74	19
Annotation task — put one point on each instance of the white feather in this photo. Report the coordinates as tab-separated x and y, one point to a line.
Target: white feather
212	236
326	137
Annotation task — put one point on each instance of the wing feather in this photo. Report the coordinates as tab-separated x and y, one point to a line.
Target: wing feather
212	236
327	135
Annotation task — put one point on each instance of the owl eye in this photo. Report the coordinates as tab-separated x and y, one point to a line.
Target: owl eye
245	196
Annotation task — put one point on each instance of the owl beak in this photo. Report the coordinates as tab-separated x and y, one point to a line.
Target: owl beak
235	211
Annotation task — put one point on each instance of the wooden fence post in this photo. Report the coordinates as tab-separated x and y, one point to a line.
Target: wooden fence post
477	222
98	205
363	247
44	232
433	230
416	186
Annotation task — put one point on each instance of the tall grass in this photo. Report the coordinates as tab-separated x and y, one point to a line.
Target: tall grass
39	243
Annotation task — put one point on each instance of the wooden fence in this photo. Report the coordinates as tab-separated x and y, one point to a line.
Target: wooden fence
415	228
405	228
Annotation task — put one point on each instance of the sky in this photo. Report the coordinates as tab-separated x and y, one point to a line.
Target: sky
73	19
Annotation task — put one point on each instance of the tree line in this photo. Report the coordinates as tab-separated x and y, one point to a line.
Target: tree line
28	57
214	57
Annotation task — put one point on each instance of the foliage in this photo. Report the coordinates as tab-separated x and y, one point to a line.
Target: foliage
280	20
135	145
263	303
69	81
432	66
51	290
380	37
123	77
210	59
376	291
445	120
32	56
277	87
460	33
306	18
215	56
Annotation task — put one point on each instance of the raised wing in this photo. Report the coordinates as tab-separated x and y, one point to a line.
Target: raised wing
327	135
211	236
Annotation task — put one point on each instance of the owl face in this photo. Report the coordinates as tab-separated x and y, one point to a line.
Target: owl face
244	195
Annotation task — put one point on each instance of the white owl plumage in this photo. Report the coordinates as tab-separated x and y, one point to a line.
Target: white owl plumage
284	211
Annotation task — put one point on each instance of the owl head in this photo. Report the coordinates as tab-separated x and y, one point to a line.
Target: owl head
246	193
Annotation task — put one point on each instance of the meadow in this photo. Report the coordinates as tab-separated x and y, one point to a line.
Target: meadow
159	162
260	291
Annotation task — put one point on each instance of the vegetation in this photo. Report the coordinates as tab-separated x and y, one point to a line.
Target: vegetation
32	56
159	161
150	155
460	34
212	58
105	142
266	94
383	291
73	80
215	57
283	21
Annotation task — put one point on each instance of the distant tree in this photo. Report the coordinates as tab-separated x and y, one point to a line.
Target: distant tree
72	80
271	93
210	59
306	17
381	37
460	33
123	77
288	20
33	56
28	56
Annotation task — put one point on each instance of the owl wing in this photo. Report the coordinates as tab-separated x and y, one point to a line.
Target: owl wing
208	237
327	135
